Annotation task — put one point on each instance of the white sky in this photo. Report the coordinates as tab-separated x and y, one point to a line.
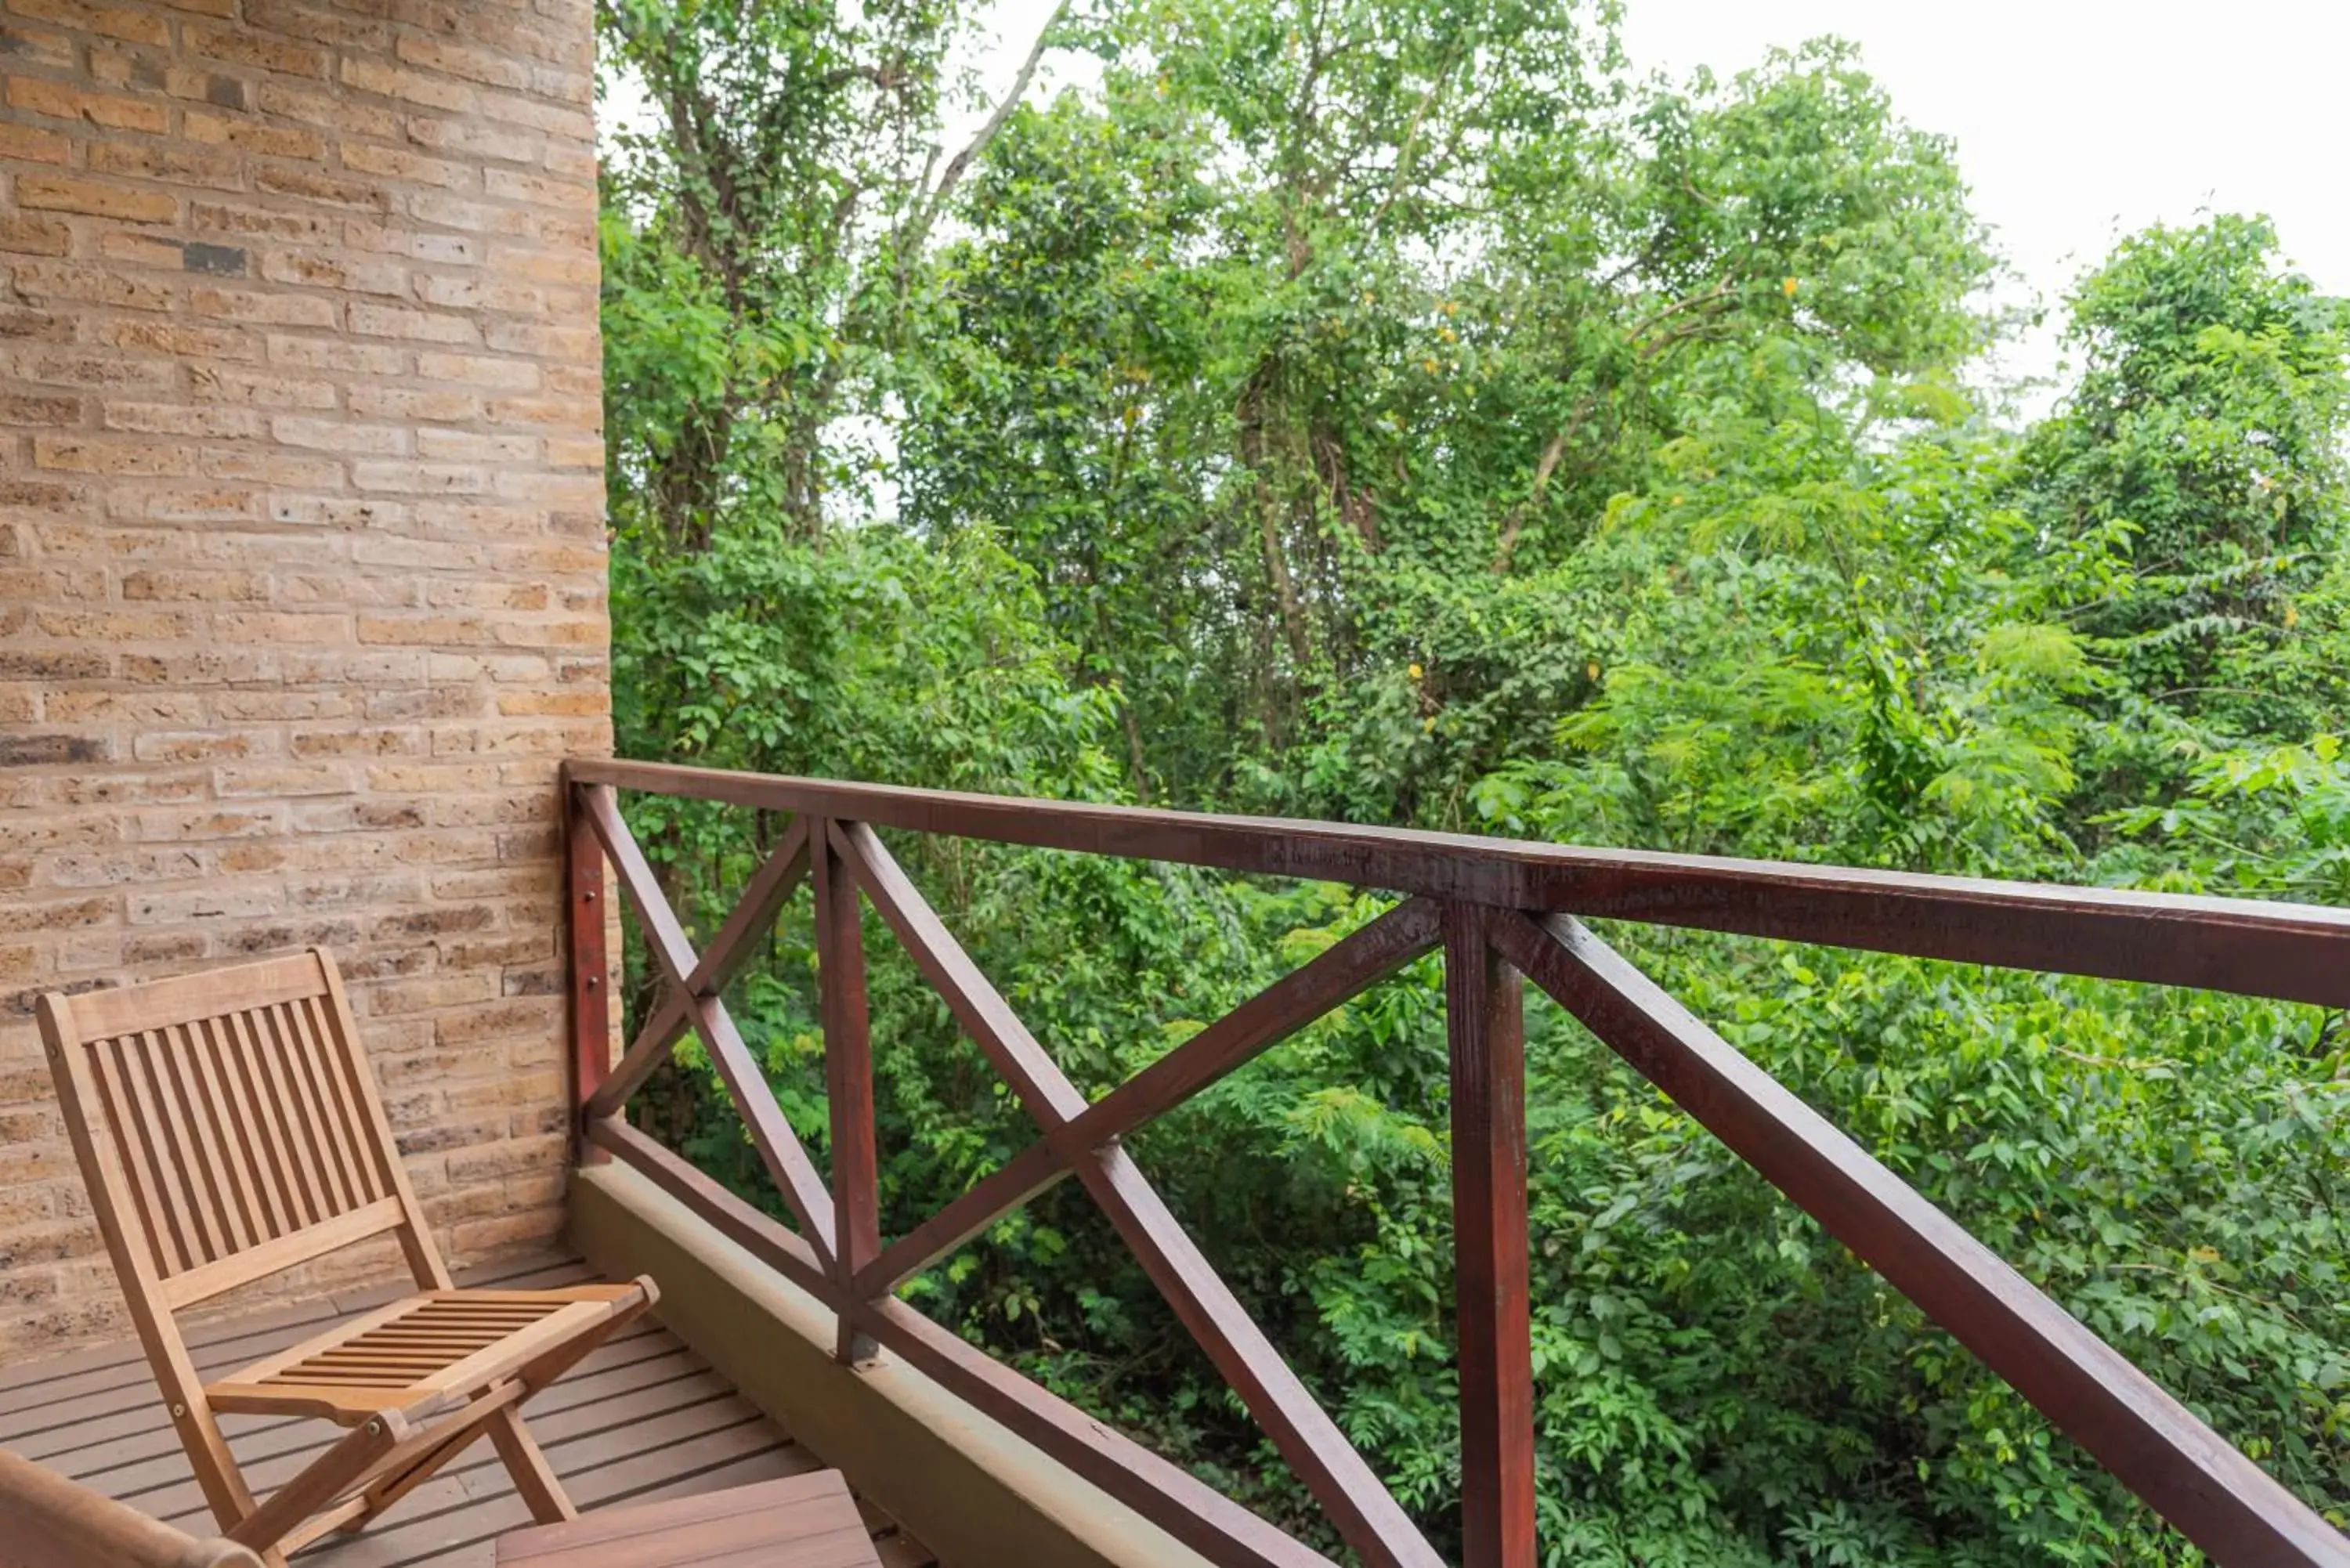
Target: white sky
2077	121
2081	121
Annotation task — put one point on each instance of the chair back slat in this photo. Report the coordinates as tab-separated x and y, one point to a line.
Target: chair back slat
243	1122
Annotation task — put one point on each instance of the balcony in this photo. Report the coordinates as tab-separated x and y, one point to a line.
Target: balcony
784	1344
643	1418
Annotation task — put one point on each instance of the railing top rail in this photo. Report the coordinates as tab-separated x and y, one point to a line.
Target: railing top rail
2293	952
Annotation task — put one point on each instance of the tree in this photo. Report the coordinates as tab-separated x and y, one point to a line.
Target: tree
2204	442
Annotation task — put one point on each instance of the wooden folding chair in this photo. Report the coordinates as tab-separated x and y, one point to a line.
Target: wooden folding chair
229	1128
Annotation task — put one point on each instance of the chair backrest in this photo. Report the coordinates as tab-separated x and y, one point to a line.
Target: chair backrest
229	1127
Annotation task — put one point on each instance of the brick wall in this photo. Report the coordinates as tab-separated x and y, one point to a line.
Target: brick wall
301	557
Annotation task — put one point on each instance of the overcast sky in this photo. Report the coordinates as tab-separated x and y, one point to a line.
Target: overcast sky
2080	120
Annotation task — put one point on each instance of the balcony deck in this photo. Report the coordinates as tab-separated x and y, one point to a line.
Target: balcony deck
644	1418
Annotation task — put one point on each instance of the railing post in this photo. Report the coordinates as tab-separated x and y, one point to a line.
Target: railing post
585	909
847	1077
1484	1001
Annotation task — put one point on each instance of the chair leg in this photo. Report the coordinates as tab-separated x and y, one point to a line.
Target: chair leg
329	1476
451	1438
532	1478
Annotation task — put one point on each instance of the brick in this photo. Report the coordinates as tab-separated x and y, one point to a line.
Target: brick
37	46
272	468
107	21
229	384
439	208
474	64
98	198
548	342
176	419
45	282
268	307
177	504
309	185
414	404
431	327
337	354
39	408
258	223
519	185
410	168
178	165
544	265
28	235
479	370
344	272
318	26
577	412
115	626
83	454
247	46
412	87
252	136
473	139
483	293
40	325
62	100
444	250
31	144
420	479
280	630
180	339
220	91
336	113
556	119
468	446
38	751
334	435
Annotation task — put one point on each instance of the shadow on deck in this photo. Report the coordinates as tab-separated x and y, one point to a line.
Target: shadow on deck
642	1418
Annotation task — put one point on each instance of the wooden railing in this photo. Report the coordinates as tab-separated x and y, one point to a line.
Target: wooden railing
48	1521
1499	911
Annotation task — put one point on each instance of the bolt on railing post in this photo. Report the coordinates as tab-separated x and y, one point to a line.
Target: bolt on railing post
586	911
1485	1020
848	1077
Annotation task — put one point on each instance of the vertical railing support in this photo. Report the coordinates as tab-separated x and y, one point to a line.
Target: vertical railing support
586	911
847	1075
1485	1001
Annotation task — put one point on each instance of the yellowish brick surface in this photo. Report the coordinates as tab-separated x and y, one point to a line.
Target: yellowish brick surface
301	558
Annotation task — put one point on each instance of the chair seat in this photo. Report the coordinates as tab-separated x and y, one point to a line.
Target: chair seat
421	1354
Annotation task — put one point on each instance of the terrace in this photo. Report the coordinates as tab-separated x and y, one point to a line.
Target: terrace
302	632
642	1419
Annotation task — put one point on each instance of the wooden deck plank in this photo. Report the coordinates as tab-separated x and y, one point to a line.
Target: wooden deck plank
640	1418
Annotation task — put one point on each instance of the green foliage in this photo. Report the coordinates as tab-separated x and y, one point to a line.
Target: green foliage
2208	424
1402	414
